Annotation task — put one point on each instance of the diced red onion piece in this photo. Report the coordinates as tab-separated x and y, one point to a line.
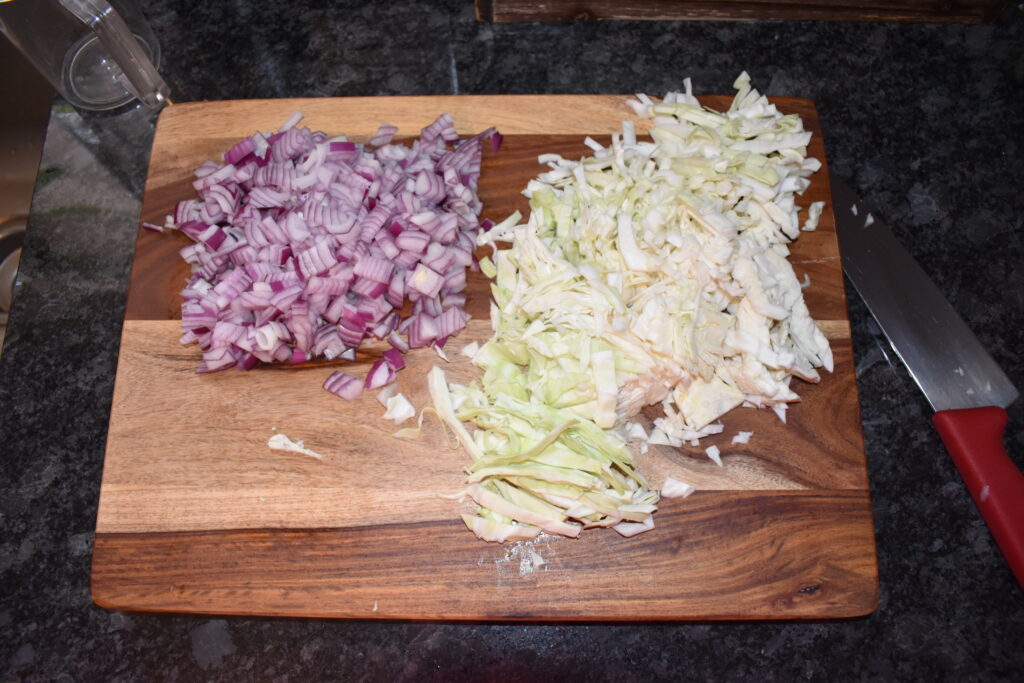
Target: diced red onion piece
394	358
381	373
343	385
291	121
350	332
455	280
385	133
415	241
425	281
375	269
396	341
332	286
430	306
386	241
406	259
422	330
386	326
451	322
216	359
369	288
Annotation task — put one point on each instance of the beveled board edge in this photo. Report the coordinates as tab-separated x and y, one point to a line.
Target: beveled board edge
359	116
395	572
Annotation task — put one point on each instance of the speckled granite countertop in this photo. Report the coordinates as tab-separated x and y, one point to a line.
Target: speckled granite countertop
925	120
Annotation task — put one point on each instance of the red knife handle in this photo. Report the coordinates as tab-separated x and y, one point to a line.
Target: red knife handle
974	437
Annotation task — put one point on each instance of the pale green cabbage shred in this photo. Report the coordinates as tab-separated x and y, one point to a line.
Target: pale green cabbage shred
650	272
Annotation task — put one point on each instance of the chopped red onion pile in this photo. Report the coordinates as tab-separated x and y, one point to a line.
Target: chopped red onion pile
304	246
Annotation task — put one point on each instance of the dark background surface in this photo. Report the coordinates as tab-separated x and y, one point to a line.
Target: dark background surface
923	119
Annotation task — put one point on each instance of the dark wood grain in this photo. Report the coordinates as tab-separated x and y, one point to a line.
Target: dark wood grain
716	555
196	514
951	11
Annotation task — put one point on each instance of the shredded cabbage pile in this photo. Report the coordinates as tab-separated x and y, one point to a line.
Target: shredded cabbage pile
649	272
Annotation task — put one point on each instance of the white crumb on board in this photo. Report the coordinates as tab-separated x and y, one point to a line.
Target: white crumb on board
530	564
375	607
813	216
280	442
742	437
524	556
673	488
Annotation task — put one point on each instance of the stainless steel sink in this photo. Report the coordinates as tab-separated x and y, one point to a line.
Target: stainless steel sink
26	99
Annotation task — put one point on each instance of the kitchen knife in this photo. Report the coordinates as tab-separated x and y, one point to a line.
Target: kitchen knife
961	381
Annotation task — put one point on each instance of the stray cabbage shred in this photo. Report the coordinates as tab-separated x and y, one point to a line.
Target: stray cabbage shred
651	272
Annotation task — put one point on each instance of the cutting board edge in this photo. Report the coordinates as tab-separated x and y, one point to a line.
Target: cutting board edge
182	105
119	379
853	612
495	106
840	582
829	216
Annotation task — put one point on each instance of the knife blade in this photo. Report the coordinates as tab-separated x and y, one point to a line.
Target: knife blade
964	385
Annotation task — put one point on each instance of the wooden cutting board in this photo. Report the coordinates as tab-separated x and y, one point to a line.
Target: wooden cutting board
197	514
